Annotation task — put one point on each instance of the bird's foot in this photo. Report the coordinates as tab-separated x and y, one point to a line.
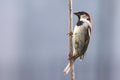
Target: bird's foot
70	57
70	33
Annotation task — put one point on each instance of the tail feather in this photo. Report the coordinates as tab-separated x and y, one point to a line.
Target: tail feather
67	69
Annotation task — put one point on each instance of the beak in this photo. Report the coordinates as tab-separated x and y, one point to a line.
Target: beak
76	13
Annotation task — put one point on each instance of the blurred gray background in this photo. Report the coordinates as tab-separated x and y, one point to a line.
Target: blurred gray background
34	41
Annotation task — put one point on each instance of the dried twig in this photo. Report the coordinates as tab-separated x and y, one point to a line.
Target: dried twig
70	40
70	65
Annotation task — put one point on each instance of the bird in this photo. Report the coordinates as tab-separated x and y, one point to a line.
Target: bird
81	37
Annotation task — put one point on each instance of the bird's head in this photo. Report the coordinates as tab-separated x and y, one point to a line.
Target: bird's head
83	15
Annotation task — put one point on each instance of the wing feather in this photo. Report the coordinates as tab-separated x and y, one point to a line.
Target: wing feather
87	39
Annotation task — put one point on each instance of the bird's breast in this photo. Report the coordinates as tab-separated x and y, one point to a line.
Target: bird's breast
79	33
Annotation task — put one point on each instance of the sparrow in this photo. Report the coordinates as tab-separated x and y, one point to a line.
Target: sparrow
81	37
81	34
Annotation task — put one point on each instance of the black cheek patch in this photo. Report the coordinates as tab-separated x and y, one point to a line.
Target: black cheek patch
79	23
88	19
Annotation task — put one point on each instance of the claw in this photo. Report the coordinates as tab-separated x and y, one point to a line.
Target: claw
70	33
70	57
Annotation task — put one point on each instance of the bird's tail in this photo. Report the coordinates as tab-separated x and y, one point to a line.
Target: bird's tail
67	69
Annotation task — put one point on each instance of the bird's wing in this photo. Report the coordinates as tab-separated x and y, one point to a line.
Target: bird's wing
87	39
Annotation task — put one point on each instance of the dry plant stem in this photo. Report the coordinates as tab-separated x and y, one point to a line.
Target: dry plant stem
72	76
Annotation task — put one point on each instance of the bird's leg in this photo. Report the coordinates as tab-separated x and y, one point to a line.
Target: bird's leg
70	56
74	56
70	33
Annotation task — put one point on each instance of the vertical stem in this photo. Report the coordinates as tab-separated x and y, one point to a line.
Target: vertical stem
70	23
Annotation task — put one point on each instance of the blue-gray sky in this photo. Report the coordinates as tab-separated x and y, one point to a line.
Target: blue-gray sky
34	41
